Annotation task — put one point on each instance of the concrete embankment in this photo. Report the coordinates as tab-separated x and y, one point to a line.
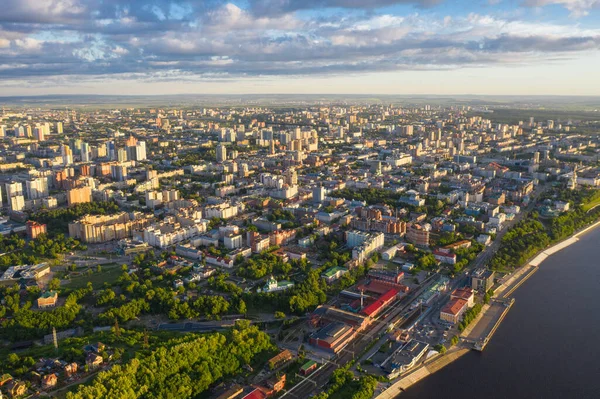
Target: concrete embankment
514	281
561	245
424	371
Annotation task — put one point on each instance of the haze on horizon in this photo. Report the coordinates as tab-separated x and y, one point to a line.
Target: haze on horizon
144	47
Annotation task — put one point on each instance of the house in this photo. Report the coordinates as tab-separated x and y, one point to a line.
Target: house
459	244
47	300
445	256
233	392
333	273
49	381
295	255
95	348
274	384
484	239
453	310
93	361
5	379
71	369
280	359
15	388
178	283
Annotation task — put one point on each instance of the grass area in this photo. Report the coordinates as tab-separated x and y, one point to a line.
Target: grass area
108	274
591	204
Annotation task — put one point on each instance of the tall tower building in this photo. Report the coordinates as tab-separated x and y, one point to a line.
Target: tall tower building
221	153
37	188
140	151
85	152
39	133
291	177
13	189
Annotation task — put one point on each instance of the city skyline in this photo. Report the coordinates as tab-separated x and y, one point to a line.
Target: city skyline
530	47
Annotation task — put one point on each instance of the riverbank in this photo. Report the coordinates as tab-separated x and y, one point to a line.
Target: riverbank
514	281
429	367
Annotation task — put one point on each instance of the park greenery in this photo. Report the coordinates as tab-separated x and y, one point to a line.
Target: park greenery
24	323
264	264
181	368
532	235
343	385
17	251
372	196
523	241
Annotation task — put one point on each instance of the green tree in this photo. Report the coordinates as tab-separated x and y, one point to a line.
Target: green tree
54	284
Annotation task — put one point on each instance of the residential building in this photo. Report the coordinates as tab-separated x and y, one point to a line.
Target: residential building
418	235
47	300
79	195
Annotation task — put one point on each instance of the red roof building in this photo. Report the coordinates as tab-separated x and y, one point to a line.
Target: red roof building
453	310
466	294
374	308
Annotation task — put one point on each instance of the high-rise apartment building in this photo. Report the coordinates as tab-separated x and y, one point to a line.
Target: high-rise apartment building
221	153
79	195
13	189
85	152
37	188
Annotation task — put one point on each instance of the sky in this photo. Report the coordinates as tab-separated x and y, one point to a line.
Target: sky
145	47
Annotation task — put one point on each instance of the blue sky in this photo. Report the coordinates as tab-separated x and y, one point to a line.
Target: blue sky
300	46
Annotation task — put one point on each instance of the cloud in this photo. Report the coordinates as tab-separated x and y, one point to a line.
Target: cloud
42	11
578	8
286	6
188	40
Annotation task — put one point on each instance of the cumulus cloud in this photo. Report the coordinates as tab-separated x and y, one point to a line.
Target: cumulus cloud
284	6
578	8
160	39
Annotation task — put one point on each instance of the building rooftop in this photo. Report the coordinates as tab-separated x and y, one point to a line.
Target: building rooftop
454	306
308	365
333	270
380	302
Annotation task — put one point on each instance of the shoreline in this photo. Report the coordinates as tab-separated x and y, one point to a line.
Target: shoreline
505	289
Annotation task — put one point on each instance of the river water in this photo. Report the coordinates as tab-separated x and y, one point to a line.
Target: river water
548	346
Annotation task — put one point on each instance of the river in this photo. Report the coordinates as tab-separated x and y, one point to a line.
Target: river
549	343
